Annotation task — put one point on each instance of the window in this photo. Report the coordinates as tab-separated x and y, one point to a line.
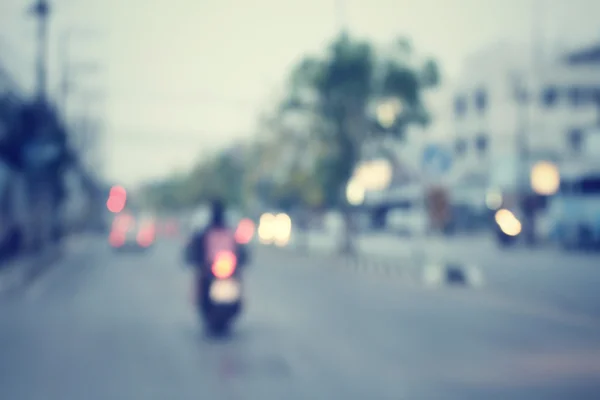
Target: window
565	186
460	147
460	106
574	96
481	100
575	139
549	96
590	185
579	96
481	143
404	204
522	94
596	95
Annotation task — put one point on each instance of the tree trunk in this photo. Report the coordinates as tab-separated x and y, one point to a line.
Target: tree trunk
302	232
348	245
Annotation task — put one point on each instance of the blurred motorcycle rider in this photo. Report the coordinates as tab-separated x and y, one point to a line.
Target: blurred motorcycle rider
198	251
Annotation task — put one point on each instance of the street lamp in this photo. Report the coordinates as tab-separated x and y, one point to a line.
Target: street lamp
374	175
545	178
387	112
355	192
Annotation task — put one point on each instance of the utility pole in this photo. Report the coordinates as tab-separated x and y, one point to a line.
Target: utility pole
65	72
532	122
83	131
340	15
41	10
40	186
67	69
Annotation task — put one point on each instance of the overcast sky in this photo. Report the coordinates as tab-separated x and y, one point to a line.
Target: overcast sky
182	77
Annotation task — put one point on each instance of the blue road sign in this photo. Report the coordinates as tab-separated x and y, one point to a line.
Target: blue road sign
436	160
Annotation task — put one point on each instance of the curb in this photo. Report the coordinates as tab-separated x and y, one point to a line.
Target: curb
427	273
452	274
24	269
397	268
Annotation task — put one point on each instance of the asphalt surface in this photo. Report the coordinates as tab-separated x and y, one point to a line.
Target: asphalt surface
102	325
546	276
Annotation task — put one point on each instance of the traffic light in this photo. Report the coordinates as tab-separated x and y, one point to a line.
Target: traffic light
117	199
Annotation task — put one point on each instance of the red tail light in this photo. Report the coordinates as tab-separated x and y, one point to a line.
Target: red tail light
224	265
146	236
116	238
244	231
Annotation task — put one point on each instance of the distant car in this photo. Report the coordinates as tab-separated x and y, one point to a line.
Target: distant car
244	227
577	211
170	228
407	221
132	233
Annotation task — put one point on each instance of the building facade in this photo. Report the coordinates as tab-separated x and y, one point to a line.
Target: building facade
507	105
509	108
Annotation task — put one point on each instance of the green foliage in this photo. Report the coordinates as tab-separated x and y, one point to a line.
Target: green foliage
332	96
335	92
221	176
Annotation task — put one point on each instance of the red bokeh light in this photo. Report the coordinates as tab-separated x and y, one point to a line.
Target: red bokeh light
116	199
224	265
244	231
115	204
116	238
146	236
118	191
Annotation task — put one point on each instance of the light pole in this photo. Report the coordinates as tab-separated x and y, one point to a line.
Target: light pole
523	169
41	10
65	69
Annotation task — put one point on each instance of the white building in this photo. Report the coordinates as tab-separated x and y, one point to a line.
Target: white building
503	97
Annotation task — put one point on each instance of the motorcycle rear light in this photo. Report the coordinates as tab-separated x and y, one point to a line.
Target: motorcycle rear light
145	237
224	265
116	239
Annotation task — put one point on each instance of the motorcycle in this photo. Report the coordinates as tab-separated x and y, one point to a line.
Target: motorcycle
222	301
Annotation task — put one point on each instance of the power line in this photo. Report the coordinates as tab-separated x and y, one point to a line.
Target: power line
178	139
41	11
190	98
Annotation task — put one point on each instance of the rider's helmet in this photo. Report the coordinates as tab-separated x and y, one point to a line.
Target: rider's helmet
217	211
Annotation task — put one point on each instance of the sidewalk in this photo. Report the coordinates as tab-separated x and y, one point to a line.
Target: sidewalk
435	248
544	276
394	246
392	257
25	268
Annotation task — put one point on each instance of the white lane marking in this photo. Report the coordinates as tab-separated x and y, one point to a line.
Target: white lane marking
475	276
433	275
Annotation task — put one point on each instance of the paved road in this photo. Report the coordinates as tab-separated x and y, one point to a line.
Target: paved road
108	326
548	276
545	275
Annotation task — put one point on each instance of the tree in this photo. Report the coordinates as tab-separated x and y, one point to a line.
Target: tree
222	175
337	93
